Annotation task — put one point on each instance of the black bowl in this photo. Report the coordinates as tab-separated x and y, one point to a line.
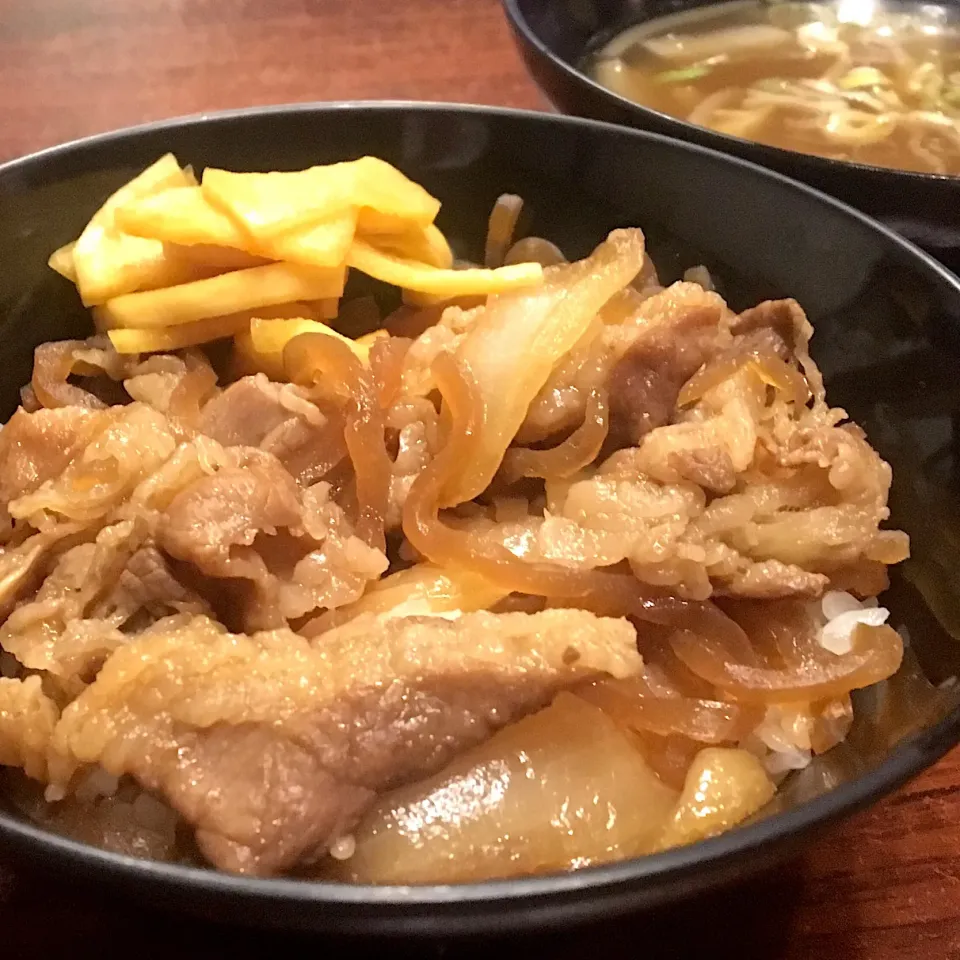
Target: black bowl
554	36
888	339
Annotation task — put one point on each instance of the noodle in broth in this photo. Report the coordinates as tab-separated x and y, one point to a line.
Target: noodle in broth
856	81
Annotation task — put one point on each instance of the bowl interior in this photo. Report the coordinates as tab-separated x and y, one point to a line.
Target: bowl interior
887	322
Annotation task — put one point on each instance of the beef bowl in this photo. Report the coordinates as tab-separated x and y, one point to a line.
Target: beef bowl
774	83
347	609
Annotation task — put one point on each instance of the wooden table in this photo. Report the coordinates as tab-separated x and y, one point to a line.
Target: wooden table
884	885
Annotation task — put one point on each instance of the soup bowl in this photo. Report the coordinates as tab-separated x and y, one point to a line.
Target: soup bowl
887	318
554	37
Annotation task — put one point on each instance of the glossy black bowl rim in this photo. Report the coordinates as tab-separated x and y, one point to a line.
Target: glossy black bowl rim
724	140
905	761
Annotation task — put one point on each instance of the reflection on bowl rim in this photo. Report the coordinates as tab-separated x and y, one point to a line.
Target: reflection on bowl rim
520	24
643	881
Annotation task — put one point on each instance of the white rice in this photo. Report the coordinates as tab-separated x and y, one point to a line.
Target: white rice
700	275
782	739
780	762
786	739
843	613
343	848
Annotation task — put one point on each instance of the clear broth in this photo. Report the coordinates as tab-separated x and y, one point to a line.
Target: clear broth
855	81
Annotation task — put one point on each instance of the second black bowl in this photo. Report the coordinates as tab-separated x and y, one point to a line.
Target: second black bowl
555	35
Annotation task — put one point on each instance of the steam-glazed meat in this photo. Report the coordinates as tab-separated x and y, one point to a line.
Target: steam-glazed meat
214	521
36	447
771	578
338	567
175	386
22	566
261	800
89	599
271	746
640	354
69	468
735	496
708	467
250	520
248	410
279	419
645	382
70	626
130	444
788	321
27	720
147	583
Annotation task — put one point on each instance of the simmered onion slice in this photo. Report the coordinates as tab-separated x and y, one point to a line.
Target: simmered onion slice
311	356
560	789
516	342
634	704
876	655
723	788
769	368
566	458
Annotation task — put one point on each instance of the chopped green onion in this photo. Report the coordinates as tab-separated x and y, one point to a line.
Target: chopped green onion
683	74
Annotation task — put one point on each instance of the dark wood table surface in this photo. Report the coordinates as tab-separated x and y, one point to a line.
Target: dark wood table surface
884	885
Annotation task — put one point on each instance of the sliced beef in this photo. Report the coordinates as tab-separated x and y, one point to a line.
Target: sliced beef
214	521
277	418
710	468
147	585
336	571
22	567
627	319
248	410
787	320
780	317
760	341
35	447
256	783
773	579
308	451
272	746
96	593
179	387
127	445
70	626
645	382
27	721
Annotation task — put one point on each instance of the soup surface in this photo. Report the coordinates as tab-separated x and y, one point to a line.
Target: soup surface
857	80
